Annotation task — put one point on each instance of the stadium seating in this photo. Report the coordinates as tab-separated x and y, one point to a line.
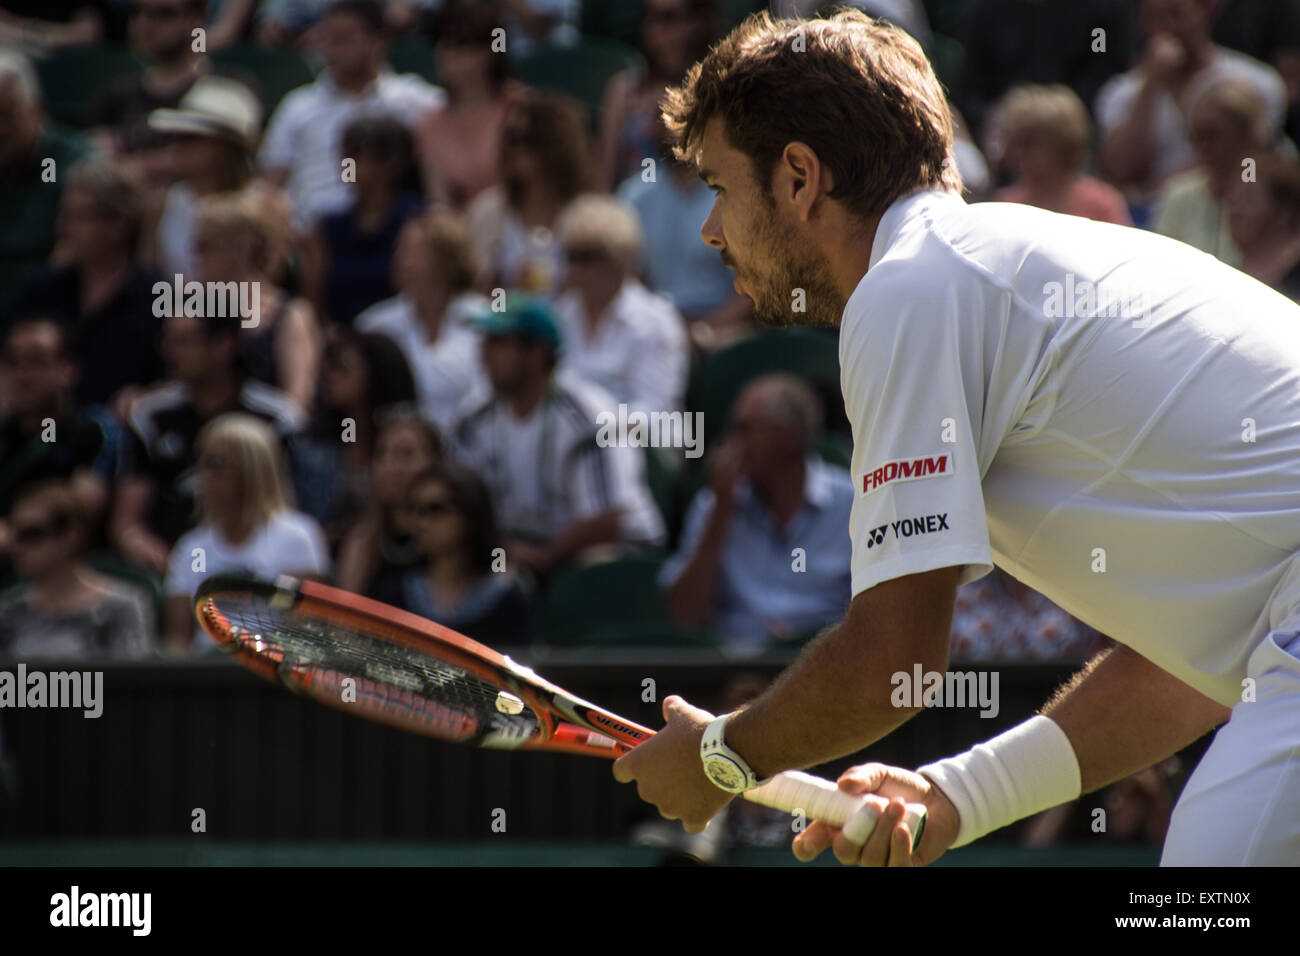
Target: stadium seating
72	80
579	71
414	55
272	72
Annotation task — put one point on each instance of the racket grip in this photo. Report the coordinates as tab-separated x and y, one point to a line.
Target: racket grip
822	799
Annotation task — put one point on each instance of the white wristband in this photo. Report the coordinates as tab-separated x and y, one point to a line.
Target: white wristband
1029	768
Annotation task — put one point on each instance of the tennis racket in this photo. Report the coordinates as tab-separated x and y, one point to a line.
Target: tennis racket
396	668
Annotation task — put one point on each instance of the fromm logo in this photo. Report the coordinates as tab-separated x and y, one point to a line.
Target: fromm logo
907	469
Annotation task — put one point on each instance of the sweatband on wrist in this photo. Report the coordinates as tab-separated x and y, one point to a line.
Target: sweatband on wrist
1029	768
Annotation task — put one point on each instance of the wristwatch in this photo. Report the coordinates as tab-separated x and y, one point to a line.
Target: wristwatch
722	765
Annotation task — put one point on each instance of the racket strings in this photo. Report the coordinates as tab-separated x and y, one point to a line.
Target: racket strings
413	687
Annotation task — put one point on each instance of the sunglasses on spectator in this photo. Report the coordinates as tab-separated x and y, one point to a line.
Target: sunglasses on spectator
29	534
584	255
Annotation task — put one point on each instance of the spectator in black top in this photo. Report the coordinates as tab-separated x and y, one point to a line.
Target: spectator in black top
463	582
101	292
44	435
1011	42
347	262
155	500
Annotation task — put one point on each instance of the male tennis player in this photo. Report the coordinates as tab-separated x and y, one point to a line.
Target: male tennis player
1111	416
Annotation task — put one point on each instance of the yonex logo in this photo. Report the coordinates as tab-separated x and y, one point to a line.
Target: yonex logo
907	527
907	469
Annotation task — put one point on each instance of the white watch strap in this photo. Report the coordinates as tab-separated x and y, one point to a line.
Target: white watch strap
714	742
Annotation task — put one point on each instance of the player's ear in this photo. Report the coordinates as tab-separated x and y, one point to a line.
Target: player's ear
802	175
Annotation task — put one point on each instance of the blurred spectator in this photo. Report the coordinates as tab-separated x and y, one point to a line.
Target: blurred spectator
543	166
63	609
43	25
347	260
976	179
616	332
556	489
735	572
215	131
1044	133
538	23
365	378
106	299
1264	221
999	619
155	496
246	524
1010	42
35	155
459	142
462	582
672	205
1228	123
283	347
378	549
674	34
435	266
1143	112
1269	31
45	435
302	148
162	36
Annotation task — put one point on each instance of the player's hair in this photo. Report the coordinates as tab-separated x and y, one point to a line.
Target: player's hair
1055	112
598	220
452	246
254	453
858	91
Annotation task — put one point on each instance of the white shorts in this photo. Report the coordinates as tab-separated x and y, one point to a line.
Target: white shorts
1241	806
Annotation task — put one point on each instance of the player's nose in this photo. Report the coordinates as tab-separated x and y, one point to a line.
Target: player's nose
711	231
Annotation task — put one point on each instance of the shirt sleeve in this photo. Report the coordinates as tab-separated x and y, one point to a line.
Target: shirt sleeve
913	381
697	518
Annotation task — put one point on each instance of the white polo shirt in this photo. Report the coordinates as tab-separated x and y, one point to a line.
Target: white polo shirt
1111	416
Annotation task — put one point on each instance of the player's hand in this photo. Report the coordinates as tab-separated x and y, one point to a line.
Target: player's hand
668	771
890	843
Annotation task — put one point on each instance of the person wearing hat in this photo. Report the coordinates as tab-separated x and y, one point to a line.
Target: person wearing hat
214	131
533	439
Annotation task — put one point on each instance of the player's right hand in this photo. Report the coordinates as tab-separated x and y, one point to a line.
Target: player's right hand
890	842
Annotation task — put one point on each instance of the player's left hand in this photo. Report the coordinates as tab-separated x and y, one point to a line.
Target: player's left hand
668	771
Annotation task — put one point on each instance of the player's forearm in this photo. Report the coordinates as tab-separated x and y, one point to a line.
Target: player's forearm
1122	714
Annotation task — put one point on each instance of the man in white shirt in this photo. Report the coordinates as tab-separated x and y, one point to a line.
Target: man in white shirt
1110	416
301	148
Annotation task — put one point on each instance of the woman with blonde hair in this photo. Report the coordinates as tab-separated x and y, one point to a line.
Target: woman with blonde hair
246	523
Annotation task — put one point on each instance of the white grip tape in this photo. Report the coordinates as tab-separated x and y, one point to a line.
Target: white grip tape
822	800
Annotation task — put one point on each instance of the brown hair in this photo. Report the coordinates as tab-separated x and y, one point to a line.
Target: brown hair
552	125
858	91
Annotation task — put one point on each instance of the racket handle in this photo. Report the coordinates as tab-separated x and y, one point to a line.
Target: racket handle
821	799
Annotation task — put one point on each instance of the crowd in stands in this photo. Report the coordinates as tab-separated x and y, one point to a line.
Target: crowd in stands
429	294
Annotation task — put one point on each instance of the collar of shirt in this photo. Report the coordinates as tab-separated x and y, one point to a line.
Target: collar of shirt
901	211
334	92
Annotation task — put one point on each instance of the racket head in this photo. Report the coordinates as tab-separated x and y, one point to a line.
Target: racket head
405	671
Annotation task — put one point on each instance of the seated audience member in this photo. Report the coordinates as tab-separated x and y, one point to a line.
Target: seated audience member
434	267
540	23
348	258
30	147
365	379
213	134
671	205
245	523
1142	113
1264	221
616	332
44	434
154	502
557	490
100	291
736	571
302	149
282	347
543	164
461	581
999	619
63	609
378	548
1044	132
1228	123
459	142
674	35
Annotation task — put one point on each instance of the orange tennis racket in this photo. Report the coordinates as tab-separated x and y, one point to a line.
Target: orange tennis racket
396	668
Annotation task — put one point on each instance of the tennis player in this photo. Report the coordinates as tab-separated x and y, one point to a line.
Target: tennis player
1109	415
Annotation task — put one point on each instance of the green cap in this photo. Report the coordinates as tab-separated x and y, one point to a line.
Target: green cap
524	315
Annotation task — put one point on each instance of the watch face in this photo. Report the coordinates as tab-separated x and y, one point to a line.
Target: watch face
725	773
